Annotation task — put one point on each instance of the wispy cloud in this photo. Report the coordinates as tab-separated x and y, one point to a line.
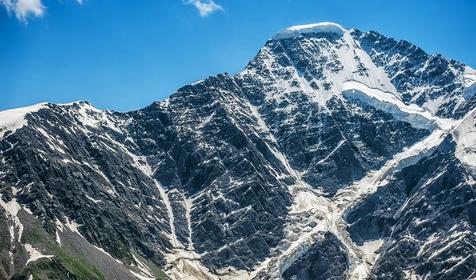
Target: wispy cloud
205	7
23	9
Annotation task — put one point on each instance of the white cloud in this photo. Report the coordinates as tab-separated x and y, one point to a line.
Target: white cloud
26	8
205	7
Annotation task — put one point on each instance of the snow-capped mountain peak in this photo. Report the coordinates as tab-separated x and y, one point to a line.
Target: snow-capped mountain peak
319	160
297	30
317	59
13	119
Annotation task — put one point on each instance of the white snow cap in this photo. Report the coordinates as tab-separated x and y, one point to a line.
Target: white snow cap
322	27
13	119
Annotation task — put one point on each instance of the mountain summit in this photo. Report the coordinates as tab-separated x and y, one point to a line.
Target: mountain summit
298	30
335	154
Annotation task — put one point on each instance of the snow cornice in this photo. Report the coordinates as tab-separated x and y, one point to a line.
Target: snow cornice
297	30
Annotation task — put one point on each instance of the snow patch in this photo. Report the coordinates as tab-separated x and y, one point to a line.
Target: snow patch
296	31
465	138
370	248
34	254
449	242
12	207
304	202
411	275
13	119
187	265
90	116
58	238
70	224
188	203
93	200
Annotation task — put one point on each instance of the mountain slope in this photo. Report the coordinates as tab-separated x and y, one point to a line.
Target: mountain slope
327	150
425	215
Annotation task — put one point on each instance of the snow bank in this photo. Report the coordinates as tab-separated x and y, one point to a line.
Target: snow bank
12	208
370	248
296	31
389	103
465	138
304	202
34	254
11	120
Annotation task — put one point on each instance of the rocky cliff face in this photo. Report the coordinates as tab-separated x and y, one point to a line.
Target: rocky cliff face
334	154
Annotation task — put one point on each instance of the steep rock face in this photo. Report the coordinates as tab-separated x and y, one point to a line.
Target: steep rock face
325	260
226	166
296	84
70	167
426	215
249	176
443	86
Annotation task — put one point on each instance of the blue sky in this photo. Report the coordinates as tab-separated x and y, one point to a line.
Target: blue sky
124	54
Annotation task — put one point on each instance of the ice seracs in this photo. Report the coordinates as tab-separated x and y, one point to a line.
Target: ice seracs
465	138
469	77
388	102
323	27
